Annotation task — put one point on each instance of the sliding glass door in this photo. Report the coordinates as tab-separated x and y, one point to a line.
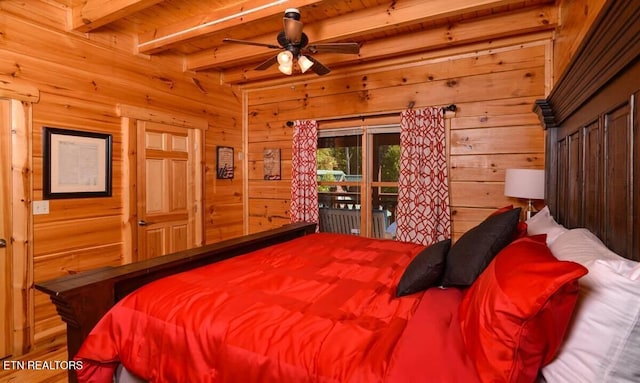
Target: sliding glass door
358	180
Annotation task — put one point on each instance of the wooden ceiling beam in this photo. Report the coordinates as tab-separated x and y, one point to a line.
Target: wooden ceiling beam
498	27
350	26
166	37
92	14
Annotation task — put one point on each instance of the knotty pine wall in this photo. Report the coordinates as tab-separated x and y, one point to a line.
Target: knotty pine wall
81	82
494	86
576	17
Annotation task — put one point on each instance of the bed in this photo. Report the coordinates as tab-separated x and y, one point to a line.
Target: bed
590	227
321	307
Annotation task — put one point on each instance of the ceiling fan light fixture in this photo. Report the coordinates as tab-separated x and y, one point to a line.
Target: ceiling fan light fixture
286	68
304	63
285	58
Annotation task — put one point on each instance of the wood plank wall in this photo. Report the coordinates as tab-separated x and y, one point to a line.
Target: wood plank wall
81	82
494	128
576	16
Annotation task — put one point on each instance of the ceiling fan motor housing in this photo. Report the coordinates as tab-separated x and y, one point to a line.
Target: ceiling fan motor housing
290	46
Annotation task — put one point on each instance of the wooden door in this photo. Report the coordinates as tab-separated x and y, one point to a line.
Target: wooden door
5	229
169	189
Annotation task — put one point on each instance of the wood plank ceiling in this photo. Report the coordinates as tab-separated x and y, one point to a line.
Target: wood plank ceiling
194	29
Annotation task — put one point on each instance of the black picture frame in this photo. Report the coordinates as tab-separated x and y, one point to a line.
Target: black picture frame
224	162
76	164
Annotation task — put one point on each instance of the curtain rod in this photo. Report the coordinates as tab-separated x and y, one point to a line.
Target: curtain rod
450	108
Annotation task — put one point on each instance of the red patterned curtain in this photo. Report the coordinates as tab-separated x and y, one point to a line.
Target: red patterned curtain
423	192
304	184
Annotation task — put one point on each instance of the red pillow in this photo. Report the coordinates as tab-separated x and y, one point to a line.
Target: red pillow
521	229
514	316
501	210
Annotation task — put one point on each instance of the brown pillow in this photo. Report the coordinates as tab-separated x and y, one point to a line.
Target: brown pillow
472	252
425	270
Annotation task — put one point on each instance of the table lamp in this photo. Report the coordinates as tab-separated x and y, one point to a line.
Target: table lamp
525	183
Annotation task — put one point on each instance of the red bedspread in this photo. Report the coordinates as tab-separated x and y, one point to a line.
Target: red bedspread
320	308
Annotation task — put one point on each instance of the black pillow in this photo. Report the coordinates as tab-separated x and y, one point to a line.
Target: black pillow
475	249
425	270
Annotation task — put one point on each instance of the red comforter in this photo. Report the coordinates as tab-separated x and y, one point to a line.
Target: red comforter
321	308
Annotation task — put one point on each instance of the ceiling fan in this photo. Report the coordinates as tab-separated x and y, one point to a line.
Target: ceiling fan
294	46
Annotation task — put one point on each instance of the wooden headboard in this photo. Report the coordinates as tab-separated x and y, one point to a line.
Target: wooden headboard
593	137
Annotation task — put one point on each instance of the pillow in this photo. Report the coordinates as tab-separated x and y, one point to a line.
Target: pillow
543	223
582	246
425	270
473	251
521	228
603	342
514	316
501	210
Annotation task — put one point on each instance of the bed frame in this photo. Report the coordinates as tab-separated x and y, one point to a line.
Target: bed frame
592	166
593	133
82	299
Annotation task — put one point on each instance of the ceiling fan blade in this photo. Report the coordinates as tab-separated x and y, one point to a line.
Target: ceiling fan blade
267	63
292	30
348	48
318	67
246	42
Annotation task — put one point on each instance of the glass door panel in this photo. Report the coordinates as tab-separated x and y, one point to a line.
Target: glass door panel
339	183
358	181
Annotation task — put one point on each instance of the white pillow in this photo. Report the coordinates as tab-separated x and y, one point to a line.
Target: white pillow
603	340
543	223
582	246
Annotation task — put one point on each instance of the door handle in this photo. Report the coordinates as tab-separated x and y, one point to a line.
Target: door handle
3	243
142	222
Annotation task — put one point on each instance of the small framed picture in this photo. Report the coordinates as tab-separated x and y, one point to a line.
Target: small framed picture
77	164
224	162
272	166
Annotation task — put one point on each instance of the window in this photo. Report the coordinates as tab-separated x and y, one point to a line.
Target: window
358	172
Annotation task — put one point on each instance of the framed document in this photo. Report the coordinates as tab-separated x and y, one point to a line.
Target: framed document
224	162
77	164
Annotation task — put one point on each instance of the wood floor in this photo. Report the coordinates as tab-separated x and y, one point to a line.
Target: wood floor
51	354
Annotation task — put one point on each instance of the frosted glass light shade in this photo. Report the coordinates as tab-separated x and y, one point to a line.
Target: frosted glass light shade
304	63
285	57
286	69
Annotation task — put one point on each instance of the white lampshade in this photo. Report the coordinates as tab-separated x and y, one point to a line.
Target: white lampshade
304	63
524	183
